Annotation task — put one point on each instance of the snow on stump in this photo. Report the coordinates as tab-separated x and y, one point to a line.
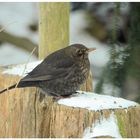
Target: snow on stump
27	113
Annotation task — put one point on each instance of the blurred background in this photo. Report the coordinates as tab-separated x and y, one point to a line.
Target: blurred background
113	28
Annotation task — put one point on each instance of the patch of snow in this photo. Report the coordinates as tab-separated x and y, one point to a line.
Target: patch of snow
22	69
95	102
103	127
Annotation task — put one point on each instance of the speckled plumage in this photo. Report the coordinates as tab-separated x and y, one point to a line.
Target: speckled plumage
61	73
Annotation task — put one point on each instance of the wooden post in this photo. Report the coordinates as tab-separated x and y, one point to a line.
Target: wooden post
53	27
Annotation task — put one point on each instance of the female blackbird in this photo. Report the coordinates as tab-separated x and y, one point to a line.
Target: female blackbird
61	73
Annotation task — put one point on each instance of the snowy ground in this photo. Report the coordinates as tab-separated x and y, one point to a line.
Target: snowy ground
96	102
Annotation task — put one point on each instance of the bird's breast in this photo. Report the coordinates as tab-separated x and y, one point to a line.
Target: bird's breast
83	72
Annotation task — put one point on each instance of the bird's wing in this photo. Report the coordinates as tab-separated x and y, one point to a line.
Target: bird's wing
50	70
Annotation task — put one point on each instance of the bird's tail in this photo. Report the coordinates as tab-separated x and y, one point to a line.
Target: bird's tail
6	89
21	84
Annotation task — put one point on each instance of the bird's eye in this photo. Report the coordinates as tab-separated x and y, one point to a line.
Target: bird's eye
79	53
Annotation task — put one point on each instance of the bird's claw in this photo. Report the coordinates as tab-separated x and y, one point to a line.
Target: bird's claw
56	98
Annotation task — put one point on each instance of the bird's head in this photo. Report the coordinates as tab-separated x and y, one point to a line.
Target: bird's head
80	51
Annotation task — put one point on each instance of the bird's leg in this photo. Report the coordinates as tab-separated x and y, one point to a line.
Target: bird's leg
56	98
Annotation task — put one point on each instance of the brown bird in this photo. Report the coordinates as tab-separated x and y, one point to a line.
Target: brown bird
61	73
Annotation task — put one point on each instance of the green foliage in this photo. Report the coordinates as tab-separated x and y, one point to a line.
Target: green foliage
134	42
134	46
135	24
114	72
116	65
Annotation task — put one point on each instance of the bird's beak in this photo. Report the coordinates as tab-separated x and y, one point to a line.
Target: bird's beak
91	49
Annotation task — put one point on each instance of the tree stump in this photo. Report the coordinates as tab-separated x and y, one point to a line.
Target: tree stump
27	113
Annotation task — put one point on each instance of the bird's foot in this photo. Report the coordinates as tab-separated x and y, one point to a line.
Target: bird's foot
56	98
